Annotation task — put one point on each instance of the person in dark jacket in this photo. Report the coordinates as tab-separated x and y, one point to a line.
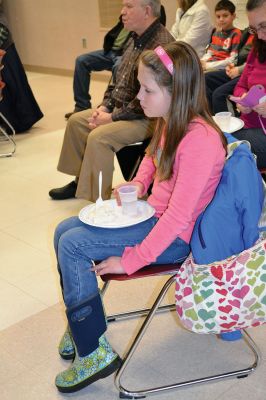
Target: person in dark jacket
98	60
105	59
18	104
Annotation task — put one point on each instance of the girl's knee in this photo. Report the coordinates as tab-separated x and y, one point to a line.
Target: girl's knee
65	226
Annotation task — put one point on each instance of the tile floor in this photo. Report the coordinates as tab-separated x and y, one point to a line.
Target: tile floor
31	312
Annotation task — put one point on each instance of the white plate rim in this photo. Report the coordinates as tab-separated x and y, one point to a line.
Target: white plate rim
116	225
237	121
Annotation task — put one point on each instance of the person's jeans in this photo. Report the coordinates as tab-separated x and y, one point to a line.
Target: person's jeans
77	244
85	64
257	139
218	87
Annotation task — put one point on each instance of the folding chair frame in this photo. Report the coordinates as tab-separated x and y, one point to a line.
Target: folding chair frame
8	137
129	394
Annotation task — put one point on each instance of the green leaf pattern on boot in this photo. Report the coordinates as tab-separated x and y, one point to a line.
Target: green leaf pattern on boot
66	346
88	369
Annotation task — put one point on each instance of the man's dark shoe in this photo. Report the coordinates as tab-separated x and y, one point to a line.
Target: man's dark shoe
65	192
76	109
68	115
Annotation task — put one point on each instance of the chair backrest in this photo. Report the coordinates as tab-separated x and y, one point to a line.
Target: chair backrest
130	157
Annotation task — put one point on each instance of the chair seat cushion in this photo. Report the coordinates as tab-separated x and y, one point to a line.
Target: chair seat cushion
149	270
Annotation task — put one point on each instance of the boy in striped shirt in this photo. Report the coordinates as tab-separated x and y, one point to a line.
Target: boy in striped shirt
223	49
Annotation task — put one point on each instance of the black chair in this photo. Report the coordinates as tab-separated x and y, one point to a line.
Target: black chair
129	158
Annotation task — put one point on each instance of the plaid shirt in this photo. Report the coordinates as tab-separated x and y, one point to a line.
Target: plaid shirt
120	98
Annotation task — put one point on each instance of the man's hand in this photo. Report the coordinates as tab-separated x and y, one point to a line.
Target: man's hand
100	116
112	265
232	71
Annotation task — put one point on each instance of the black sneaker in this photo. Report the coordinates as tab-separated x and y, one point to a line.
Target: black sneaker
66	192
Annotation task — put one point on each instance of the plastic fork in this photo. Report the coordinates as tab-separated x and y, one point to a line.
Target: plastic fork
99	201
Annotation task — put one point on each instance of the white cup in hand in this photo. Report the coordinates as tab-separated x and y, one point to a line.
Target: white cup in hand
129	198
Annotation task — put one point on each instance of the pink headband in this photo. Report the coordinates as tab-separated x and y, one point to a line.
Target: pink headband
165	59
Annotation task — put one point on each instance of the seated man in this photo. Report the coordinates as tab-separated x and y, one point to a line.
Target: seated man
106	59
93	136
225	40
220	84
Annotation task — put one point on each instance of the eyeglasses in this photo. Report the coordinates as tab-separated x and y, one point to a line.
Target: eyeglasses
261	28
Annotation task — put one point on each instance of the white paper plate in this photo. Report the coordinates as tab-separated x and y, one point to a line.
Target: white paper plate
115	218
235	125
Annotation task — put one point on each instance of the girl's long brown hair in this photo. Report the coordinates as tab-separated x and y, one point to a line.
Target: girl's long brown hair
187	88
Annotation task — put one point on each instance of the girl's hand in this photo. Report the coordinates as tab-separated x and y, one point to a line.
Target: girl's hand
243	109
261	109
139	185
112	265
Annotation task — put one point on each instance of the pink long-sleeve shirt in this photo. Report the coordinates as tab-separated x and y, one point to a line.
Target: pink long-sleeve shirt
178	201
253	74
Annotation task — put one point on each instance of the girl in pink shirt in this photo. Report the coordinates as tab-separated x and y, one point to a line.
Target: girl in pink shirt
184	161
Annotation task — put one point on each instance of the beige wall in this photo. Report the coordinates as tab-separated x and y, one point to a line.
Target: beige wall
48	33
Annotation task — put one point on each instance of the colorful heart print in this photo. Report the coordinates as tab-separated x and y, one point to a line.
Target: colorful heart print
226	296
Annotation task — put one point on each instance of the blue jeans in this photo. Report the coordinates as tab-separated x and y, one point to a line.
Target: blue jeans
77	244
257	139
85	64
218	87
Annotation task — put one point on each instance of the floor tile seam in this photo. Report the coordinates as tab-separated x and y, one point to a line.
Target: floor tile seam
12	174
28	277
22	137
4	170
28	370
23	241
32	75
228	390
42	303
21	323
4	228
25	293
11	379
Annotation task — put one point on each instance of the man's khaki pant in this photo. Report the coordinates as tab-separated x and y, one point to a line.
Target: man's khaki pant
86	152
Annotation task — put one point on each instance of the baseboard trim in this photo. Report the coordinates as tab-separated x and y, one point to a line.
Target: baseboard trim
101	76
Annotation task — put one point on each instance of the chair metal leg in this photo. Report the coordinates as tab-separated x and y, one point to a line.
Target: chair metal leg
134	313
7	137
104	288
126	393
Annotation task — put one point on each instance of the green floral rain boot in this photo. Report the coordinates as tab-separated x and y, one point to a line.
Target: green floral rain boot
85	370
66	347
